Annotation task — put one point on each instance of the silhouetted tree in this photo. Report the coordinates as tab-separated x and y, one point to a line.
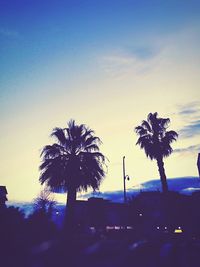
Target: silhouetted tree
73	163
45	202
156	142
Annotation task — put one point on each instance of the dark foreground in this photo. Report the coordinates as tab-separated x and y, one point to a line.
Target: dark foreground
162	232
102	251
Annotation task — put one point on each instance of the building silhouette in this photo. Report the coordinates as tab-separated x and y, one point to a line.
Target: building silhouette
3	196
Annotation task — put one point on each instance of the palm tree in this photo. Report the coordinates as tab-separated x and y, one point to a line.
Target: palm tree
156	142
73	163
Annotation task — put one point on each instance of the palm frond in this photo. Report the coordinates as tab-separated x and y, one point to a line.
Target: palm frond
146	126
92	140
51	151
140	130
92	147
60	135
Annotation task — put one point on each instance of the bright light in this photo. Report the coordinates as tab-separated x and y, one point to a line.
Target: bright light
178	231
116	227
92	229
110	227
158	227
140	214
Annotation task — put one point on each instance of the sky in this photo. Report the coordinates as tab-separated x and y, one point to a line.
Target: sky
104	63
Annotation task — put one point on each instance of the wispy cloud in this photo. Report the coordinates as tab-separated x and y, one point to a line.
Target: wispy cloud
190	115
189	149
155	56
190	109
191	130
143	52
136	61
9	33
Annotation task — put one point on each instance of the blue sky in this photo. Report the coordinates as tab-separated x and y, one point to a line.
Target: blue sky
35	33
106	64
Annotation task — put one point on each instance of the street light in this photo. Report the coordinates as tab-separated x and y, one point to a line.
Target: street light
125	177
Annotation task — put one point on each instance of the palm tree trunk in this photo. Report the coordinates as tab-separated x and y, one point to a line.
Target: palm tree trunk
70	210
163	177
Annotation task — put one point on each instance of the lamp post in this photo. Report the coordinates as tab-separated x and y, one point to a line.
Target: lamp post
124	180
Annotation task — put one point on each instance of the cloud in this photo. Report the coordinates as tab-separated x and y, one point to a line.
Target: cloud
163	58
9	33
190	130
188	111
189	149
143	52
190	115
192	108
182	184
136	61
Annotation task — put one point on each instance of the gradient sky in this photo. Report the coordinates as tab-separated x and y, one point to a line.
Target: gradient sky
105	63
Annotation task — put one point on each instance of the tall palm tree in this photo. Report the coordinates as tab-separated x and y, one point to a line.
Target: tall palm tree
73	163
156	142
